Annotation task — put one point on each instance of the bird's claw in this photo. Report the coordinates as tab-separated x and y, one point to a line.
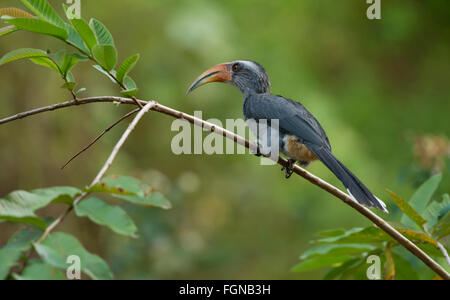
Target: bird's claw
289	170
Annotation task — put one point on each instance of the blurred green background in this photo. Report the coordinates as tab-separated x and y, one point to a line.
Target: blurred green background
380	88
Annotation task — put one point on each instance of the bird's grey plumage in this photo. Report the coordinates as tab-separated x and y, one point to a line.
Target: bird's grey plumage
294	119
252	77
301	135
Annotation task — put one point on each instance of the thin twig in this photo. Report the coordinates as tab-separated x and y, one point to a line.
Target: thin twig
383	225
102	172
444	252
64	105
100	136
120	143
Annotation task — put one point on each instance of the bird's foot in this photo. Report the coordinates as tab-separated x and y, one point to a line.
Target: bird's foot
289	169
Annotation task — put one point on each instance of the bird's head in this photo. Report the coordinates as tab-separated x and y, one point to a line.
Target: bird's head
247	76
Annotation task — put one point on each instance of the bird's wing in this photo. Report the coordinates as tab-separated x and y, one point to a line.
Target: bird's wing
293	117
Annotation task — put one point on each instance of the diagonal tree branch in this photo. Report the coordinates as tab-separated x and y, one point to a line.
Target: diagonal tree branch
383	225
101	135
102	172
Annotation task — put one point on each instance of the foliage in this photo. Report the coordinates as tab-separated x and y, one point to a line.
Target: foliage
20	206
346	252
92	41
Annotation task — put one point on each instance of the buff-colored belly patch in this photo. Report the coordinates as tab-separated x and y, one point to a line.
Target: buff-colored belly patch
296	150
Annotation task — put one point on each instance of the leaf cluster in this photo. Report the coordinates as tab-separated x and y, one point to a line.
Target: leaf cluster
91	40
21	207
424	221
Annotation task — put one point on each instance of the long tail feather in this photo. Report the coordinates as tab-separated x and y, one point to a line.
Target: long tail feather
356	189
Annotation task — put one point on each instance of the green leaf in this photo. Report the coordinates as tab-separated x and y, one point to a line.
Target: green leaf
36	56
126	67
45	62
124	185
66	11
106	56
59	194
435	210
42	9
21	54
86	33
12	12
320	262
129	93
70	60
446	209
17	244
151	198
38	270
15	12
76	40
19	206
403	269
24	238
49	16
104	214
337	272
407	209
81	90
417	236
389	265
8	29
58	57
430	249
8	258
442	228
337	250
129	83
57	247
422	196
131	190
69	77
131	88
102	33
69	85
100	68
37	26
358	235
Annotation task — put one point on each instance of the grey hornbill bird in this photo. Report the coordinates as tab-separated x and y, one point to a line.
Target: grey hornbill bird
301	137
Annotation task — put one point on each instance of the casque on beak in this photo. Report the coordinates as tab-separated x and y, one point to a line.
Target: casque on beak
218	73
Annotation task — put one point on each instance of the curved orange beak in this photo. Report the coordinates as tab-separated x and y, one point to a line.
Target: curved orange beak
218	73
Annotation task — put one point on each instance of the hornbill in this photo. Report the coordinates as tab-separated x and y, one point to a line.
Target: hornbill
301	137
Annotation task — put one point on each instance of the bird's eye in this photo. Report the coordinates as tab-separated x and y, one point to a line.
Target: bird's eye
235	67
